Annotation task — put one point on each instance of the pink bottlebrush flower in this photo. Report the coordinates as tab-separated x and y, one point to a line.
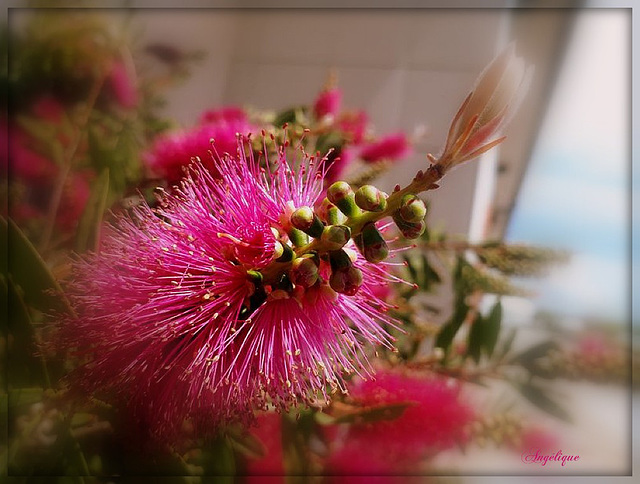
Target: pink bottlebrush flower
268	430
434	419
537	438
391	147
122	86
171	153
74	199
354	125
227	114
487	109
327	103
594	346
174	320
23	162
48	108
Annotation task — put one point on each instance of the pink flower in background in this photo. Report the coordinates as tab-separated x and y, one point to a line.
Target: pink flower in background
24	163
535	438
173	320
172	152
391	147
268	430
434	419
328	102
594	346
48	108
74	199
122	86
354	125
227	114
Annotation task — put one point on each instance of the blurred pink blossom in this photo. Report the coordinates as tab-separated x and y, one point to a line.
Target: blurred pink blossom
390	147
435	419
354	125
327	103
122	85
171	153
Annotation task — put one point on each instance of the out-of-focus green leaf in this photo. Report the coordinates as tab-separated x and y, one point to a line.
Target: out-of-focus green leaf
25	369
506	345
493	323
218	459
30	272
535	352
477	338
295	115
324	419
24	397
429	275
88	234
451	327
327	141
391	411
246	444
536	395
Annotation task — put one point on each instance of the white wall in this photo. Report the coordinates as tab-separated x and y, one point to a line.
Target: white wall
407	68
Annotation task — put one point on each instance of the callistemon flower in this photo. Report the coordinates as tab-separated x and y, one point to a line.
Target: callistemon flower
170	154
434	418
210	306
487	109
354	125
390	147
121	82
328	102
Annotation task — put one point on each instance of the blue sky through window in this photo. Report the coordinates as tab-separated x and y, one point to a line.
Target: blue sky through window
576	192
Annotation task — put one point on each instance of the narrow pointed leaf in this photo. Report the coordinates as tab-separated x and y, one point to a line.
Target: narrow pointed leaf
88	235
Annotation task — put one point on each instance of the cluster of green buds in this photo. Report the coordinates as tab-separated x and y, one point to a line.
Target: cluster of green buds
308	236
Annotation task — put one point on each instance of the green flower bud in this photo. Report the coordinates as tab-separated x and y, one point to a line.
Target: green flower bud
287	254
410	230
346	281
304	272
306	220
335	216
339	259
369	198
336	236
342	196
298	238
254	276
278	250
371	244
412	209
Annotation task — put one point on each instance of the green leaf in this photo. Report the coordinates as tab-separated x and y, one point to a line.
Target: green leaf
429	274
218	459
327	141
24	397
30	272
492	327
536	352
536	395
506	345
88	235
477	338
292	115
25	369
246	444
451	327
378	413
